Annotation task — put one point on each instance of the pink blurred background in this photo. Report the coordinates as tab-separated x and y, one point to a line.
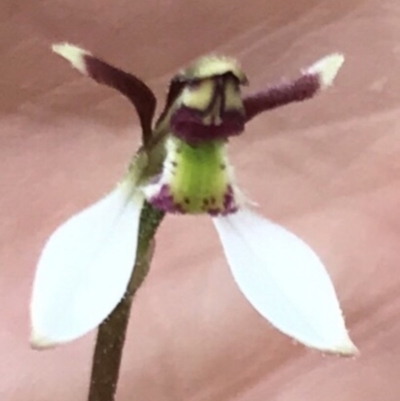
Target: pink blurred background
329	169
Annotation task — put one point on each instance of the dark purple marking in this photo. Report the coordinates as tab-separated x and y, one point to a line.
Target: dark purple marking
229	204
219	212
297	90
214	212
178	208
187	124
229	201
174	90
130	86
228	197
165	201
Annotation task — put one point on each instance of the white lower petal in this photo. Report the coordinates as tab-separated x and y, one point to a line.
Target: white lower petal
284	280
85	268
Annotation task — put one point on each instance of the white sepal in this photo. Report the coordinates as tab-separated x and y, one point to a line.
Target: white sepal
84	268
327	68
74	54
284	280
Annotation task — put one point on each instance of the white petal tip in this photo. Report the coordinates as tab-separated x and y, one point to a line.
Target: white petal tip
40	342
327	68
75	55
345	348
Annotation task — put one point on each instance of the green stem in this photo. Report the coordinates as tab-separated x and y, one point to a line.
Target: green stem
111	334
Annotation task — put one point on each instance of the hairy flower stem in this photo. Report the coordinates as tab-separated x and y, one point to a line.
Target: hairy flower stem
111	333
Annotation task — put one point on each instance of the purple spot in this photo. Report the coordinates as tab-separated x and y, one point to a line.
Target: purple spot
228	198
229	201
178	208
165	201
214	211
229	204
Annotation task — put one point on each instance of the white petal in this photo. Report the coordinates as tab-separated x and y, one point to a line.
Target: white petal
284	280
84	269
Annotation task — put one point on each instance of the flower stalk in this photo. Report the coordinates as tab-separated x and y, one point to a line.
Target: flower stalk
112	332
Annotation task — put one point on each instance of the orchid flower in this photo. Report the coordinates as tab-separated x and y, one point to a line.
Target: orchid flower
183	168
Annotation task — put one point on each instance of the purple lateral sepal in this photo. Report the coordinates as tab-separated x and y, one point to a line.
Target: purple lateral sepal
127	84
187	124
302	88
